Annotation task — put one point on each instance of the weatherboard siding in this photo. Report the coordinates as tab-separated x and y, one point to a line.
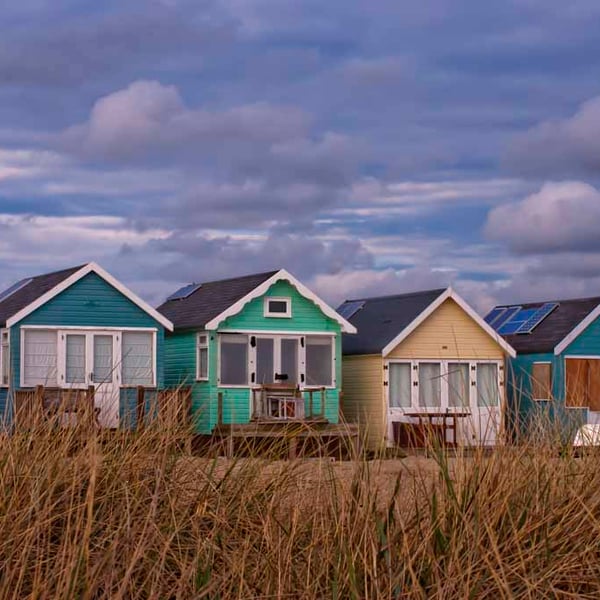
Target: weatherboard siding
5	412
448	333
363	401
587	343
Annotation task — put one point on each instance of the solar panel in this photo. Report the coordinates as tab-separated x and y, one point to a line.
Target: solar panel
184	292
15	287
513	325
349	309
494	315
505	317
540	314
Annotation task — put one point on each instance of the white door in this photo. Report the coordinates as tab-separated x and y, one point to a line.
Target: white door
277	360
90	359
487	406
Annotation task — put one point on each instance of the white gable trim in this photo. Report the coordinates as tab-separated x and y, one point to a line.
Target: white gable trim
258	291
575	333
449	293
69	281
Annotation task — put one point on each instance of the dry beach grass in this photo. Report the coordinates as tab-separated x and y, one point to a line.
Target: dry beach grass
134	517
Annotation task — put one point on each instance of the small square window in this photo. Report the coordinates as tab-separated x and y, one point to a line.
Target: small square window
278	307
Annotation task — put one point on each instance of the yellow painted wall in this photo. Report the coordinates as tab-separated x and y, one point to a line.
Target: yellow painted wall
446	334
363	400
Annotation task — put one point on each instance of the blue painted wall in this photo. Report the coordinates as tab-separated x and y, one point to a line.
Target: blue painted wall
90	302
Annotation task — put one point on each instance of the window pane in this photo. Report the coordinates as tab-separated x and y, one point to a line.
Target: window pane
75	358
458	385
137	353
234	360
39	357
400	385
5	358
265	360
541	376
429	385
277	306
103	358
319	361
289	361
203	363
487	384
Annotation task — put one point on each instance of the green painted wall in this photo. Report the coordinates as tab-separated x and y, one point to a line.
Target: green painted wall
180	361
90	302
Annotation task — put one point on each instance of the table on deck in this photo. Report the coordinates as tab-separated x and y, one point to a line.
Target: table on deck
444	415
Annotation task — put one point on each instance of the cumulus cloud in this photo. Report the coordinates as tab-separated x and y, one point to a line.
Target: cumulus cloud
561	216
564	146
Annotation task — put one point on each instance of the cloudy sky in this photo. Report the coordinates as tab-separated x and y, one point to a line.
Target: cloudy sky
368	147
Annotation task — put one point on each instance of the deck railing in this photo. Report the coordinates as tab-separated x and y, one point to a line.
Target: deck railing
279	402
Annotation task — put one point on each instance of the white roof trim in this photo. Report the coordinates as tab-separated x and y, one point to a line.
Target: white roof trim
69	281
261	289
577	331
449	293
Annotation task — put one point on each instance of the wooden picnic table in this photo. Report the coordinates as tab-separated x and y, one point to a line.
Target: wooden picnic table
444	416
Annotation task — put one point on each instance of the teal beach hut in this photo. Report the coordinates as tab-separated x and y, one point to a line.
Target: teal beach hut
80	328
554	381
255	348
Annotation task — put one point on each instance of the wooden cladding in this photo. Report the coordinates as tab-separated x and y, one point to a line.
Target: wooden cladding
583	383
541	381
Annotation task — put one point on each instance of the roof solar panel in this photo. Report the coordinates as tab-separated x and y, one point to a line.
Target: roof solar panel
184	292
15	287
537	317
519	317
505	317
349	309
494	315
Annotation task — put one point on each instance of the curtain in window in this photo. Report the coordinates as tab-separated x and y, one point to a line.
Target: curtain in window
487	384
265	360
400	385
289	360
430	385
234	360
39	357
137	354
202	356
319	361
103	358
458	385
75	358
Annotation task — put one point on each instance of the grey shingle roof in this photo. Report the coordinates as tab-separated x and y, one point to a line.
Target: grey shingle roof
38	286
381	319
554	328
210	300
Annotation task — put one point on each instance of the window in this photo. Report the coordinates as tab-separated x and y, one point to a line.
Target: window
39	357
430	388
4	357
583	383
202	357
234	360
400	385
278	307
137	357
541	381
319	361
488	393
458	385
75	358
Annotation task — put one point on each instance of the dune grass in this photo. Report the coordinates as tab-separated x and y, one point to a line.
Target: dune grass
132	516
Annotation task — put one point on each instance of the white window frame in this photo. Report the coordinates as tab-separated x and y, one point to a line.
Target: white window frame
249	349
415	407
277	315
74	329
199	347
277	337
4	356
542	362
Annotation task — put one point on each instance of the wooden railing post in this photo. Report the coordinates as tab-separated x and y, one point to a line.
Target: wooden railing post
220	408
140	412
310	404
91	408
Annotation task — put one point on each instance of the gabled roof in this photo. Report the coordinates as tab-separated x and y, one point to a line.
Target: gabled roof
214	301
384	322
558	329
42	288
